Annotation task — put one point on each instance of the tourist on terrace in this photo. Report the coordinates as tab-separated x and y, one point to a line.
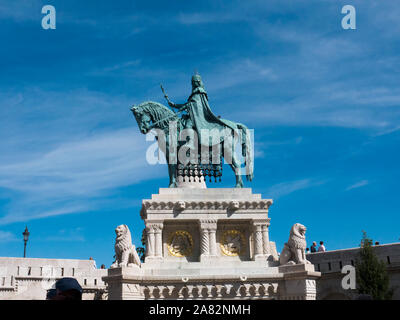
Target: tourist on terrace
321	247
314	247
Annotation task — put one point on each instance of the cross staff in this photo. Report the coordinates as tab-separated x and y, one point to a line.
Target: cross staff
165	95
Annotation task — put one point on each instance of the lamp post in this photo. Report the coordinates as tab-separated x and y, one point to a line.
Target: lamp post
26	237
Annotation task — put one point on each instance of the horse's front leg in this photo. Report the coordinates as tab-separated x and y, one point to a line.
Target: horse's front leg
171	167
172	175
235	167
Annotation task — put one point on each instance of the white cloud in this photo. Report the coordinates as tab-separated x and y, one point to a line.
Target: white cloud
240	71
67	152
285	188
125	67
210	17
324	78
21	10
6	236
93	163
70	235
323	109
76	171
264	144
359	184
388	131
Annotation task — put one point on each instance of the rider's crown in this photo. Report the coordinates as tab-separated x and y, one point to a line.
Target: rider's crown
196	77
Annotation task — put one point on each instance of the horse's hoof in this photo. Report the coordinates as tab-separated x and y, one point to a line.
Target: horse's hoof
239	185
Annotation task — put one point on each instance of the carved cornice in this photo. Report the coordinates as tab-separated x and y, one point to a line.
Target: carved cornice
205	205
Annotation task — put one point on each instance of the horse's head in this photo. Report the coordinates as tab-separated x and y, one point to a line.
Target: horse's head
151	115
142	117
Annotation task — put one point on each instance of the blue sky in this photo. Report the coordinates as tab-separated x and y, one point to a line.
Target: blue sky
323	101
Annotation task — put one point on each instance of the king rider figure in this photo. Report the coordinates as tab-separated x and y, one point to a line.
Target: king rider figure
208	126
200	115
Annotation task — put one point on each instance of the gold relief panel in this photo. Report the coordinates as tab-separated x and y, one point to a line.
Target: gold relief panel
180	243
233	243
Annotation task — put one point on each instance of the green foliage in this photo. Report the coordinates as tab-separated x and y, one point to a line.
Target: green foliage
142	250
372	276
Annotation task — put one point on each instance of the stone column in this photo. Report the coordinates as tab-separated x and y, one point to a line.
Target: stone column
158	240
154	241
149	242
260	239
204	243
213	239
265	236
208	239
258	242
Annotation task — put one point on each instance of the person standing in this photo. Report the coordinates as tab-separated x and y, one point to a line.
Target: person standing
321	247
313	247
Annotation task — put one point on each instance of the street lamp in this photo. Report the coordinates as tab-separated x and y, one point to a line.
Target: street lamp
26	237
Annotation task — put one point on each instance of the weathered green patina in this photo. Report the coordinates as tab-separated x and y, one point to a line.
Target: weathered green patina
201	116
202	120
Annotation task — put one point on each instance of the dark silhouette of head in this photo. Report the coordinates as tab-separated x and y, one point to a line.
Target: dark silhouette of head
67	289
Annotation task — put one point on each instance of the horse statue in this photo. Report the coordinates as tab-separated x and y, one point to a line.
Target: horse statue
153	115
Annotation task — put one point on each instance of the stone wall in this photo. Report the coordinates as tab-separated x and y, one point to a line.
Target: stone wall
29	278
330	264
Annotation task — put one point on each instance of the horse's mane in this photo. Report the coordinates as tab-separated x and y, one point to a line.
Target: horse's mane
158	112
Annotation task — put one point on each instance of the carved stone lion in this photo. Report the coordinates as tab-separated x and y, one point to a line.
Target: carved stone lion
294	250
234	205
125	251
180	205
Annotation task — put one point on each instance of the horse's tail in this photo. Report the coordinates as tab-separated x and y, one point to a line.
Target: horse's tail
247	151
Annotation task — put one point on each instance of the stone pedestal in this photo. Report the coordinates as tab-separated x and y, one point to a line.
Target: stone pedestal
209	244
300	282
124	283
214	223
